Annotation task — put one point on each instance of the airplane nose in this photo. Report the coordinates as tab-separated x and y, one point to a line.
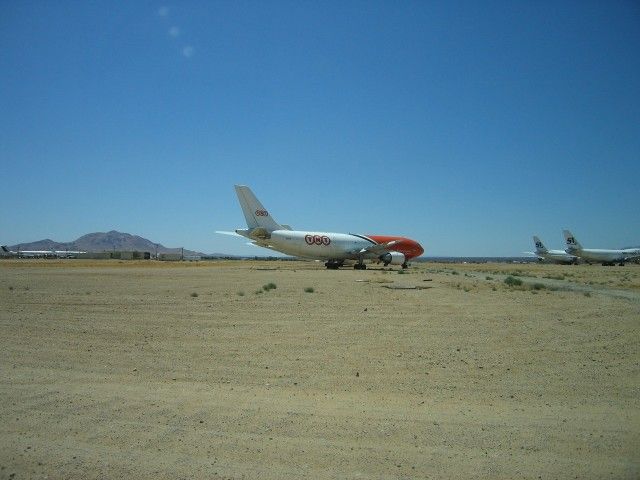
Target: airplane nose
414	248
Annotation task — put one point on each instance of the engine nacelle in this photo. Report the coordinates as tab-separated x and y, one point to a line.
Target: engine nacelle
393	258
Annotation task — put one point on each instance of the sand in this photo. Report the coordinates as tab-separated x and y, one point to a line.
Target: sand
192	370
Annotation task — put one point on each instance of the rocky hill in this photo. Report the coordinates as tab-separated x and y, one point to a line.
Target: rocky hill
101	242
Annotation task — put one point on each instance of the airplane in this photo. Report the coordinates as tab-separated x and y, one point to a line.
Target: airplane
39	253
555	256
607	257
334	248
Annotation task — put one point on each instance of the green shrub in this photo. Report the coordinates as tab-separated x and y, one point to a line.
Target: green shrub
194	294
538	286
269	286
241	293
513	282
309	290
555	277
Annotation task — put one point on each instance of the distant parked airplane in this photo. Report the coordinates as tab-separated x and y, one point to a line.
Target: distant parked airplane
555	256
40	253
606	256
335	248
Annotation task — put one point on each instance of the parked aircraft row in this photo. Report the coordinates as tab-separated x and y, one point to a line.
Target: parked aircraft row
575	252
334	248
39	253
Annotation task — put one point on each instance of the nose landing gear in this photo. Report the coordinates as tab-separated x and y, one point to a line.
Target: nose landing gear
333	264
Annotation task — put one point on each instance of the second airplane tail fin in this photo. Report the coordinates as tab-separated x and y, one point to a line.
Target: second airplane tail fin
256	215
540	248
572	243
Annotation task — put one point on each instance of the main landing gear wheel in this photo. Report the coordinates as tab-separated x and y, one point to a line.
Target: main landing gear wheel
405	265
333	265
360	266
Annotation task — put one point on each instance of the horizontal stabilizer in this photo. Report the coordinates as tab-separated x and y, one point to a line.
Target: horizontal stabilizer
233	234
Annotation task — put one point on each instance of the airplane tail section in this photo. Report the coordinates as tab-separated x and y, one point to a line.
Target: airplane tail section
540	248
257	217
4	248
572	243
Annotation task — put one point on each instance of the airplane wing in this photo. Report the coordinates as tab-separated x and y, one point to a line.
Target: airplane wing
263	245
377	249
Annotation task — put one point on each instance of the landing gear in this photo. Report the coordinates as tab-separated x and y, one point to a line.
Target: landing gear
333	264
359	266
405	265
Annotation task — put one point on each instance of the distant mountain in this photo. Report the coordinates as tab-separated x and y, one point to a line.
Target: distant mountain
103	242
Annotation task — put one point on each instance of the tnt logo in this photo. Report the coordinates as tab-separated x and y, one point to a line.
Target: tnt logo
539	244
317	240
262	213
571	241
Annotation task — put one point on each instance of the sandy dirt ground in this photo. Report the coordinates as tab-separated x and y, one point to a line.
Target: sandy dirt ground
147	370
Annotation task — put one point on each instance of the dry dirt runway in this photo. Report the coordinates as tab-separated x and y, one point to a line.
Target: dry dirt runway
146	370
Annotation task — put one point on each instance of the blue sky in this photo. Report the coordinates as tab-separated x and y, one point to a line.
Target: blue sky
468	126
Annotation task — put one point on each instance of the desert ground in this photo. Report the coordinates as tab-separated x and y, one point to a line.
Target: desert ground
204	370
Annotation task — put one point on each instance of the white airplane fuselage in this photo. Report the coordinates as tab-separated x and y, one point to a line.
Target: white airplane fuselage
40	253
604	255
556	256
332	245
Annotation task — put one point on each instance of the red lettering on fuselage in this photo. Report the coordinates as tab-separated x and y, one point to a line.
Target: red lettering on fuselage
321	240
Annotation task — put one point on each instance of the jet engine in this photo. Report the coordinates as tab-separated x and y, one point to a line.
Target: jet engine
393	258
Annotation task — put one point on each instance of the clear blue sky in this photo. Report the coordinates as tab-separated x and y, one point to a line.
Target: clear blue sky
468	126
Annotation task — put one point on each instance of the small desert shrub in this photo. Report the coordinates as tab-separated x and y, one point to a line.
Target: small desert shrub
454	273
538	286
488	278
10	287
269	286
194	294
241	293
309	290
513	282
587	294
555	277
